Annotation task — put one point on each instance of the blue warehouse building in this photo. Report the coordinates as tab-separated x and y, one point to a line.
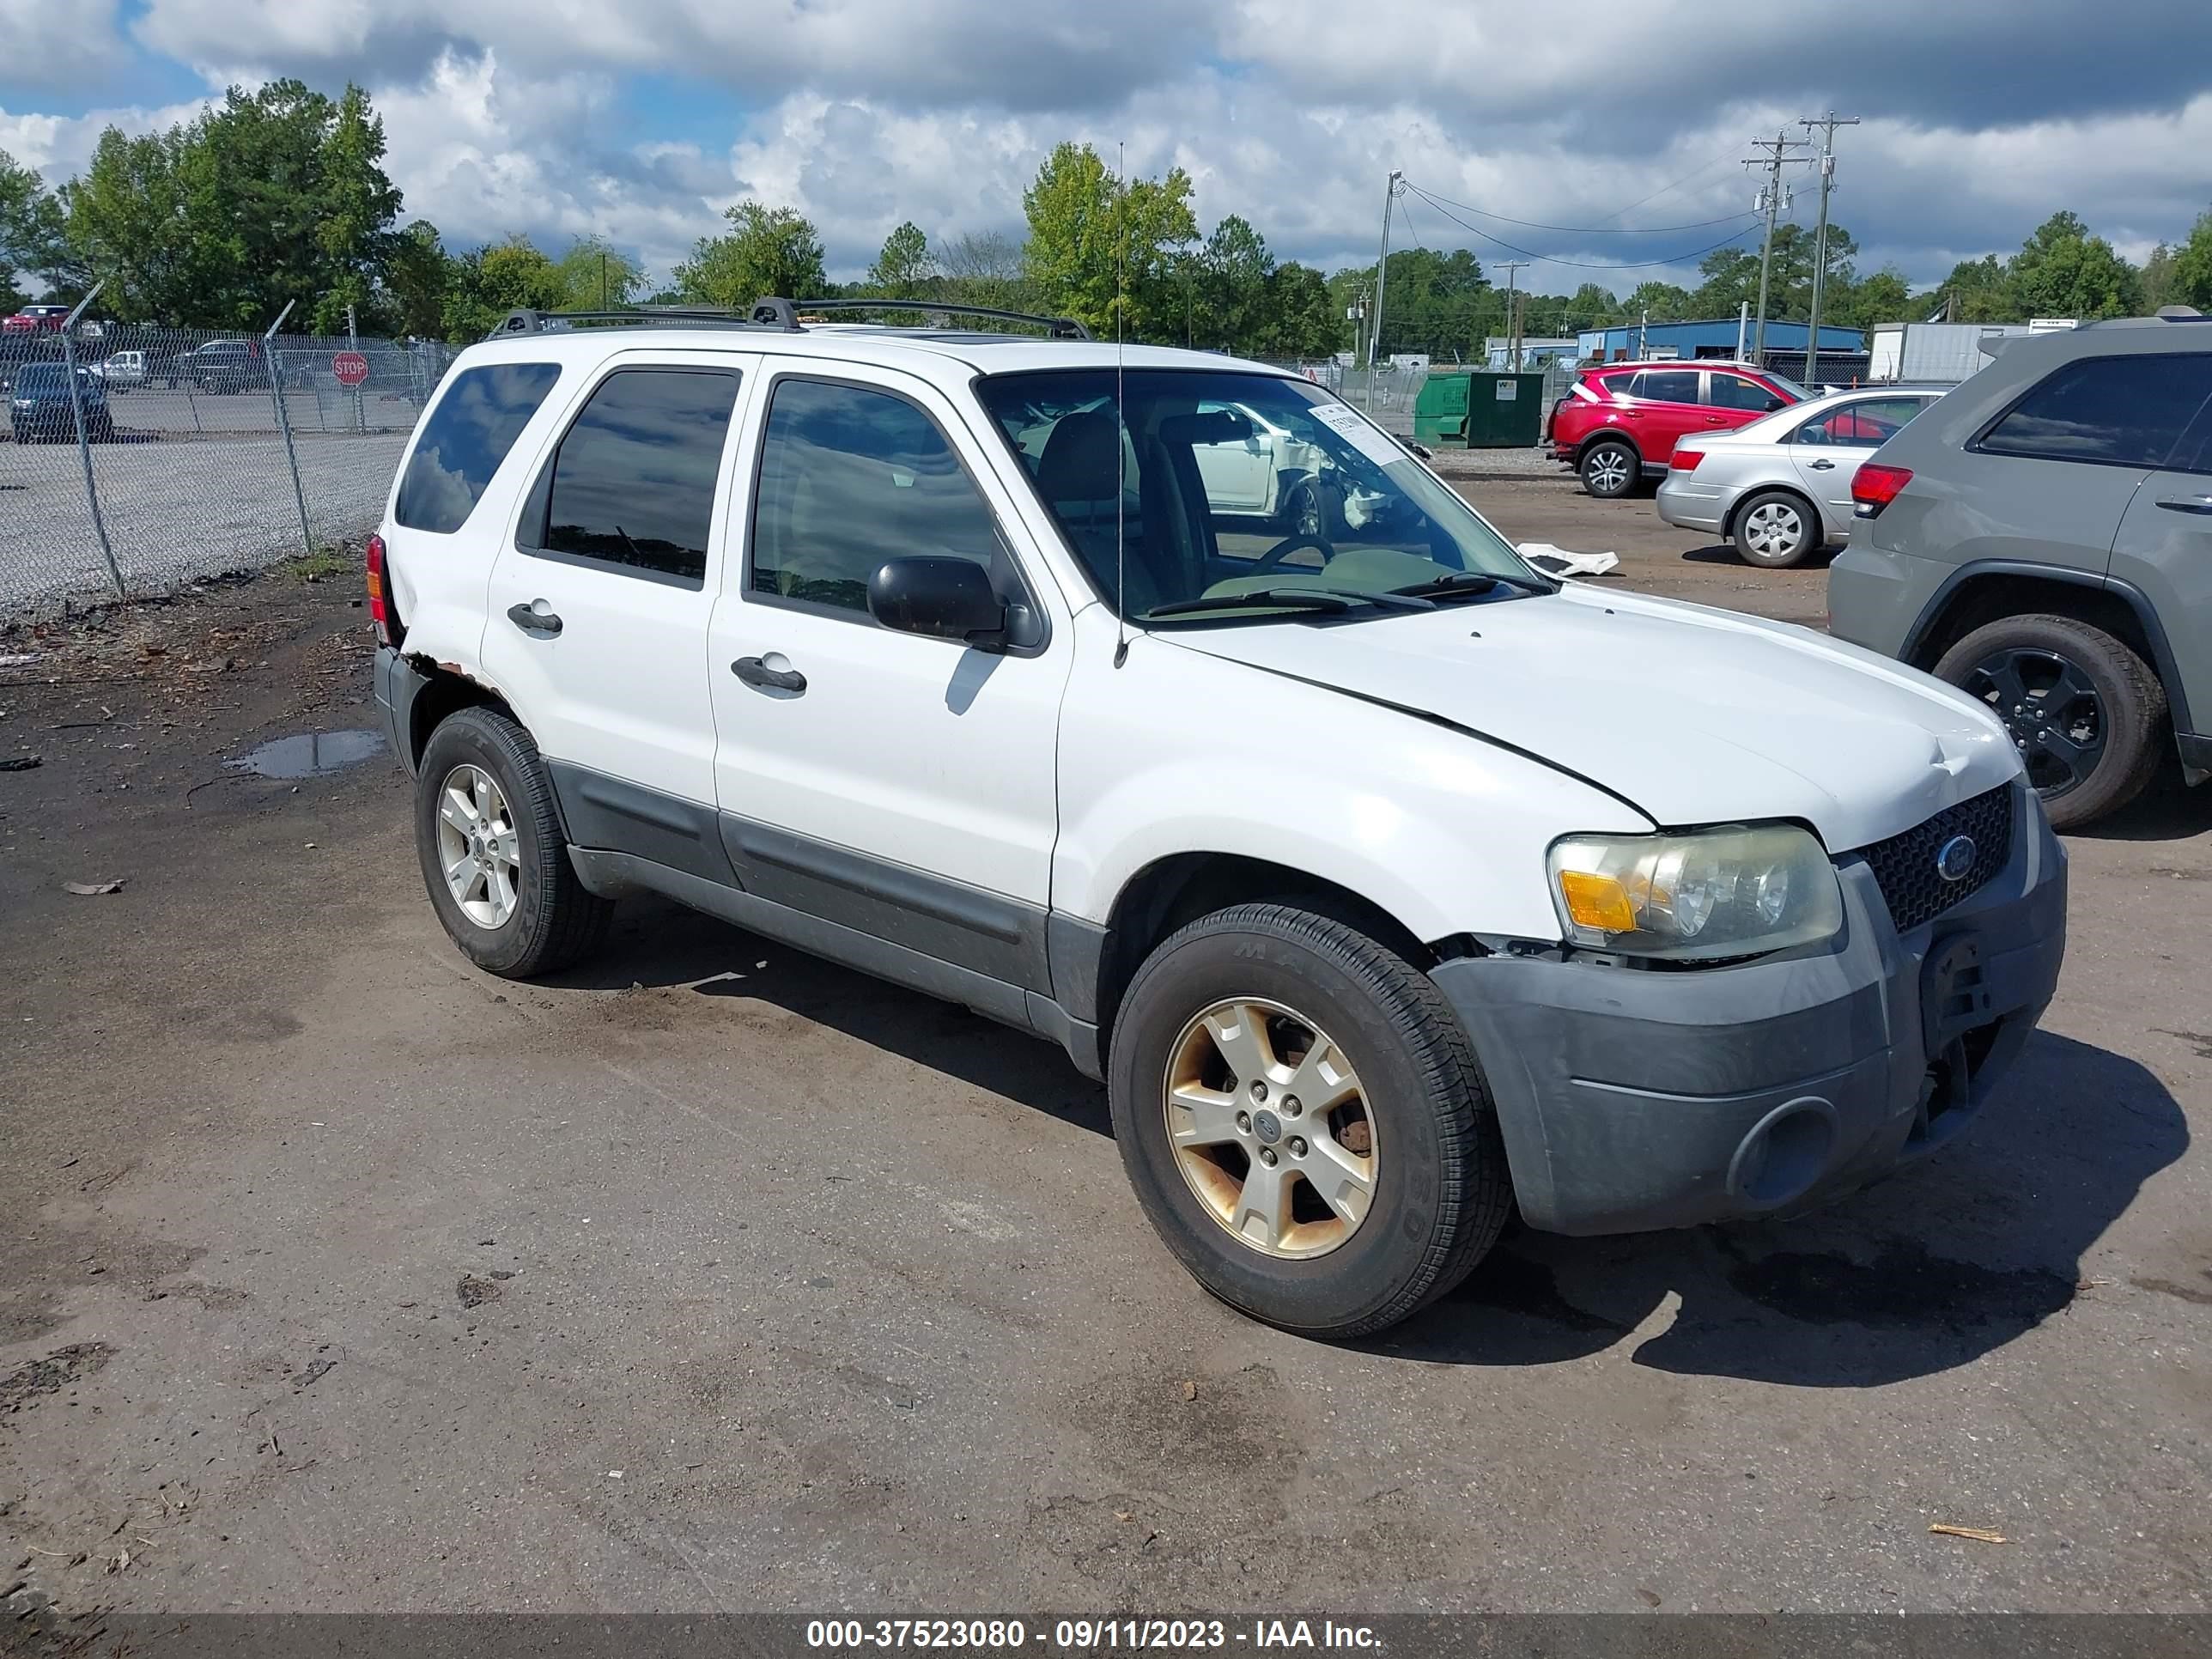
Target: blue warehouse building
1718	338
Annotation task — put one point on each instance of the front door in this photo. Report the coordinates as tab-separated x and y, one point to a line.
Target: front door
900	786
2164	551
601	598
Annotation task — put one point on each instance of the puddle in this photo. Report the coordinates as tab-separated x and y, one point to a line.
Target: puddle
309	754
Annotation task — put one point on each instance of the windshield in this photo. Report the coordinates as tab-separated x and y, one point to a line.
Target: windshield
1240	489
45	377
1789	386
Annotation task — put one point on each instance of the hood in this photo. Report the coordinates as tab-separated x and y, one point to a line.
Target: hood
1694	715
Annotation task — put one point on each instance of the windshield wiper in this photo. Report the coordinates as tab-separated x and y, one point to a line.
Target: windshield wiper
1334	599
1475	581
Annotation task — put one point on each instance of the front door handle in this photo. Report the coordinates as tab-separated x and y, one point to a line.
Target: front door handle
1821	467
753	671
2187	504
531	620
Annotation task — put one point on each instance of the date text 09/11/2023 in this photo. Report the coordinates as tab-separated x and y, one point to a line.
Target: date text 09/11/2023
1086	1634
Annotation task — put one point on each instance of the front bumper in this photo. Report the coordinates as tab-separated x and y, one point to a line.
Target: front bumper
1632	1099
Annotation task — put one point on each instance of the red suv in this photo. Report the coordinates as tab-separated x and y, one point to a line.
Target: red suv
1618	424
34	319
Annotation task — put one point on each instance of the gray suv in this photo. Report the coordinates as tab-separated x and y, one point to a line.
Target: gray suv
2042	537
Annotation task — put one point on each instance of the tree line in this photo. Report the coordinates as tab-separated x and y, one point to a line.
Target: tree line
280	194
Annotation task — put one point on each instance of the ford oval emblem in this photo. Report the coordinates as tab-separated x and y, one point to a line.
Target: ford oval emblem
1955	860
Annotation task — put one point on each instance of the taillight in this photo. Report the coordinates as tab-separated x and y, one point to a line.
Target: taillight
1686	461
1874	487
379	607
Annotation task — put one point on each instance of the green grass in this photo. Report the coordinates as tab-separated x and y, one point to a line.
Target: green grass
321	565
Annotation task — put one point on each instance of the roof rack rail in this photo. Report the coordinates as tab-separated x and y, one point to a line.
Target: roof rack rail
1057	328
767	312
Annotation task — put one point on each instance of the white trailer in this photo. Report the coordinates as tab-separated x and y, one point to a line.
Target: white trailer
1937	354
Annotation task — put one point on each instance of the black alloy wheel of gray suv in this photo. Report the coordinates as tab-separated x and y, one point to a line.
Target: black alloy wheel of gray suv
2042	538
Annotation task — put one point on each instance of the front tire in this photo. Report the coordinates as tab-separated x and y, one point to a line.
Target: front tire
1610	469
1775	529
493	855
2083	709
1304	1122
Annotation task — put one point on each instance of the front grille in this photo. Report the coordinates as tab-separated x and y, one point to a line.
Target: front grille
1905	865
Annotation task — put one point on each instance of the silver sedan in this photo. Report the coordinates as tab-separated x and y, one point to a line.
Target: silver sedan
1780	489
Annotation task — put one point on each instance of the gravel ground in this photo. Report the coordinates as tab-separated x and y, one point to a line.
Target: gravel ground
340	1276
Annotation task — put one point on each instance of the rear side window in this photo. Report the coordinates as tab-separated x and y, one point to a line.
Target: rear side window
1664	385
2120	411
850	477
633	483
466	437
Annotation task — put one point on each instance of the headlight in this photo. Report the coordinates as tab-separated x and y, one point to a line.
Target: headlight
1737	891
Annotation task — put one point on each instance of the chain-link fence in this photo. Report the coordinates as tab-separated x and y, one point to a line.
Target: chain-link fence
139	458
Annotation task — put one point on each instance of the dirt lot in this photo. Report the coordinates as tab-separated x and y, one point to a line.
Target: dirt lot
335	1276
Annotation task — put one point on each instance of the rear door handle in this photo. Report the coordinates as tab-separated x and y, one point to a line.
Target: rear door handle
531	620
753	671
1821	467
2187	504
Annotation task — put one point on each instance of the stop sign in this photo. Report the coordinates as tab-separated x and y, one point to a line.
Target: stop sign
350	368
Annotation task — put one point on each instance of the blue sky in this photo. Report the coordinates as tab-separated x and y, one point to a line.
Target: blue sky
561	118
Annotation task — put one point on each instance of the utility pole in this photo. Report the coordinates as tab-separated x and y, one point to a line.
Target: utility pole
1828	123
1513	268
1776	157
1390	189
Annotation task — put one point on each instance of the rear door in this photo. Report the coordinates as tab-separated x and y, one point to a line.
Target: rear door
2164	551
1826	451
1666	407
2049	481
600	603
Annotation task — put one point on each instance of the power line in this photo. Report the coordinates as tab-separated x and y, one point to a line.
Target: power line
1598	230
1579	264
1718	161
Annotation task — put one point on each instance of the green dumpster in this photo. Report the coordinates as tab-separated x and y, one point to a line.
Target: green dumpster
1503	411
1440	412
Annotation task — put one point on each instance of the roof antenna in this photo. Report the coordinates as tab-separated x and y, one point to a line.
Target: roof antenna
1120	418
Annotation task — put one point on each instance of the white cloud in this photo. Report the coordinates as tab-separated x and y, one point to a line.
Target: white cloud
51	45
60	146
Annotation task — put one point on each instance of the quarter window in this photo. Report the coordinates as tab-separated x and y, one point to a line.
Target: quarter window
633	483
2123	411
466	437
850	477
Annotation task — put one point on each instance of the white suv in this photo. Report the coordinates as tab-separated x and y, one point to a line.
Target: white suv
1386	882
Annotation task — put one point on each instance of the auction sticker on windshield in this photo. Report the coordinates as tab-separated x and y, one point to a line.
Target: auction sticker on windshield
1355	429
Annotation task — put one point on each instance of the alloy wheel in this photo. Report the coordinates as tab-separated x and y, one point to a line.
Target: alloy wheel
1608	471
2052	709
1270	1128
479	849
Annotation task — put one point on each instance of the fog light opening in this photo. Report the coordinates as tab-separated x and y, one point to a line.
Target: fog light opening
1781	1158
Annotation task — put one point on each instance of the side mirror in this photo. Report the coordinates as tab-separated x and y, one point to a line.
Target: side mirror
1773	403
943	598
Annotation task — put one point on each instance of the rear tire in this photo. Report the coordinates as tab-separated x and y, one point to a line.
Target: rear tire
1610	468
2084	710
512	902
1775	529
1391	1070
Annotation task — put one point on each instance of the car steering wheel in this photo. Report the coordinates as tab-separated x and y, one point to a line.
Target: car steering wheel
1282	550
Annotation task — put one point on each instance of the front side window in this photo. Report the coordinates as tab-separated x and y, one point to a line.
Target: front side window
633	483
1735	391
463	440
1194	494
2125	411
851	477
